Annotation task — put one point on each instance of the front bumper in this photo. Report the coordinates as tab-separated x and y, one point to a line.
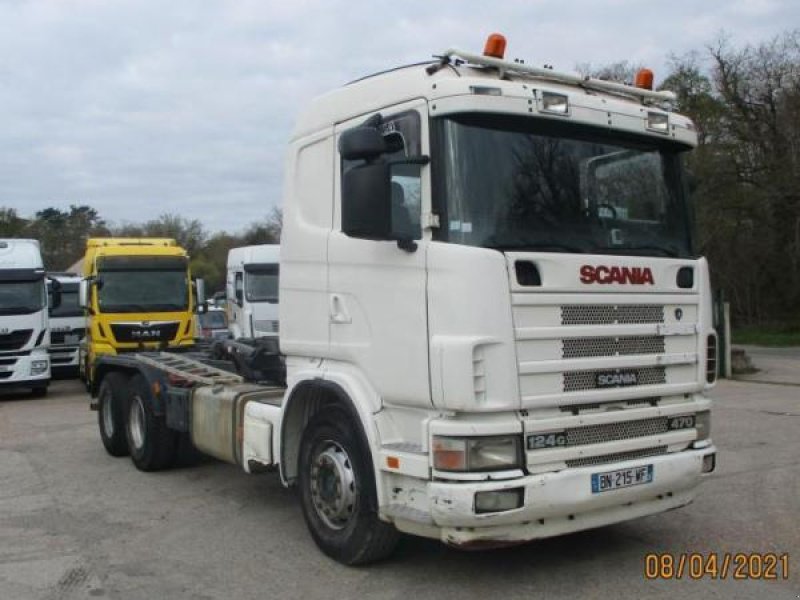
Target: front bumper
562	502
18	372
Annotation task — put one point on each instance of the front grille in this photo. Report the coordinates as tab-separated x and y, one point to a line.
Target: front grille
5	374
60	360
612	346
610	314
15	340
611	432
592	406
59	337
587	380
153	332
616	457
5	362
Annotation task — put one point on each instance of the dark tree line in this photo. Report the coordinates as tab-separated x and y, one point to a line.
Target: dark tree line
746	105
63	235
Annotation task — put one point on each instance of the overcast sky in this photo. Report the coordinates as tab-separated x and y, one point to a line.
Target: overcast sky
141	107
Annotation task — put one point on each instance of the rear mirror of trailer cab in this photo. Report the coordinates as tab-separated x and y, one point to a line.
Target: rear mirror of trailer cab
53	294
83	293
200	295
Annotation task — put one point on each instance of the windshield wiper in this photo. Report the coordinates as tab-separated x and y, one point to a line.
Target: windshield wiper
538	246
661	250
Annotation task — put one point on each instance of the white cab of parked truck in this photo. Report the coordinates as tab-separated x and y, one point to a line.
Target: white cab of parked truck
490	290
67	325
24	334
252	291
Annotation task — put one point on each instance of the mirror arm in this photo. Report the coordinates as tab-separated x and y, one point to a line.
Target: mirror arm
409	246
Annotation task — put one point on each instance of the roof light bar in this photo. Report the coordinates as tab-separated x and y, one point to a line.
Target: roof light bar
540	73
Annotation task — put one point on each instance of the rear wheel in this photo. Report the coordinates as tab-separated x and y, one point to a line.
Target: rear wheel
152	444
337	489
112	407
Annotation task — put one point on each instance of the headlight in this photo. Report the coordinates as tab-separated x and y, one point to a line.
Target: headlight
476	454
702	422
38	367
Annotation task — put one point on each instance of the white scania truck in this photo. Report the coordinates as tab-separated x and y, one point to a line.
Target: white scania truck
252	291
24	333
495	323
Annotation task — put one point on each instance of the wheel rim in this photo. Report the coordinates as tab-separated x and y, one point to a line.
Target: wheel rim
136	422
108	418
333	485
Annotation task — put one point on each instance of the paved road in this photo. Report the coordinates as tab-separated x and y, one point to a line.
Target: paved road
76	523
775	365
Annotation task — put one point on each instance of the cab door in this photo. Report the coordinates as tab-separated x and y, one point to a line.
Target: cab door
377	291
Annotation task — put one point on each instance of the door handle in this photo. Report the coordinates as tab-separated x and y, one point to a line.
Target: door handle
339	313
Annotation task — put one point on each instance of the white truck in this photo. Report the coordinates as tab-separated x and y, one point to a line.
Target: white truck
252	291
495	323
67	325
24	333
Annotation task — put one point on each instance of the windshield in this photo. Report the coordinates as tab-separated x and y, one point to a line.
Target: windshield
261	283
528	184
69	302
21	297
142	284
214	319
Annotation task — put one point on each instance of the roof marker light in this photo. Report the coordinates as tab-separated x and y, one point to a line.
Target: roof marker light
644	79
495	46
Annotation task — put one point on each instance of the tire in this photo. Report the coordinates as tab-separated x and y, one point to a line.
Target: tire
40	391
153	446
335	458
112	401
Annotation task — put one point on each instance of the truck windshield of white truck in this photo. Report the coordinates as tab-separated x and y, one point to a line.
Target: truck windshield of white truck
69	302
524	184
142	284
261	283
21	297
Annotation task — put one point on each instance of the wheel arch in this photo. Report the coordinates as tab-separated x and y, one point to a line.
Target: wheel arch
307	399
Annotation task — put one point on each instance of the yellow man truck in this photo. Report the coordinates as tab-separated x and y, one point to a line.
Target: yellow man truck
138	294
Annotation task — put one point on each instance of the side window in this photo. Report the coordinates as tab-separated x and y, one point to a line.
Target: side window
402	133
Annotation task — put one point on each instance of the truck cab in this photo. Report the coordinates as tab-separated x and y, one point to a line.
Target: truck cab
493	266
67	324
252	291
138	294
24	322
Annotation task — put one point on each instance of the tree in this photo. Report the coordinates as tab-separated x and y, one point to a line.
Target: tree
63	234
11	224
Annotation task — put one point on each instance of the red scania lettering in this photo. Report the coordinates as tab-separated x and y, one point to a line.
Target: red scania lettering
605	275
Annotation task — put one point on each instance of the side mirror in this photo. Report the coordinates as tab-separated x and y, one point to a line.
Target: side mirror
54	293
361	143
200	295
367	202
83	293
239	296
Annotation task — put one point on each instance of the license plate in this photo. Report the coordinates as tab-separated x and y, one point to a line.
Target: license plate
72	339
614	480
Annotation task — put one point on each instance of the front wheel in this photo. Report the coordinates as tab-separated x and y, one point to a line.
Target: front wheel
337	490
112	405
152	444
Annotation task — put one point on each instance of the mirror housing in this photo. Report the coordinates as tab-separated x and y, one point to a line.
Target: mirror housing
367	202
83	293
53	293
361	143
200	296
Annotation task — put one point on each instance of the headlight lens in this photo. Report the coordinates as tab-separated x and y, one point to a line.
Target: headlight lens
38	367
476	454
702	422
